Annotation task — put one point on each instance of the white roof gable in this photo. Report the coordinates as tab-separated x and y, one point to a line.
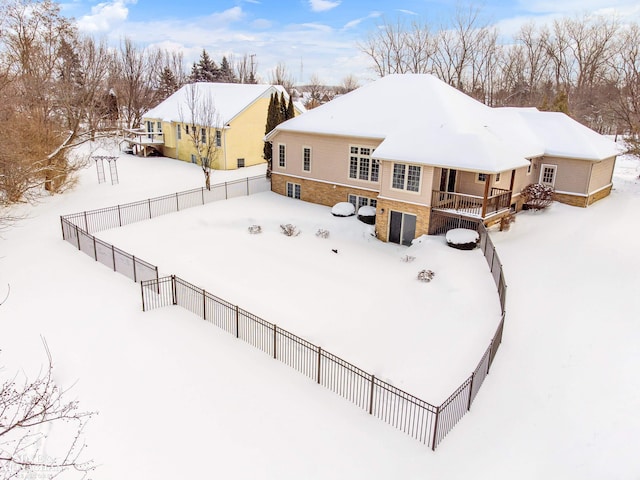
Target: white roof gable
426	121
229	100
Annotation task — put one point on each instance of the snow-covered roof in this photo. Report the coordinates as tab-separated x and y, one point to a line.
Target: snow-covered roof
229	100
421	119
564	137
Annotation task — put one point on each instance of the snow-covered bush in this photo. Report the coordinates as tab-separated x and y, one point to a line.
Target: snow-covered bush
407	258
253	229
322	233
290	230
537	196
343	209
426	275
462	238
367	214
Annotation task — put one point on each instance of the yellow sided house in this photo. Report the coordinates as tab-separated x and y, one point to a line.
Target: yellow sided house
224	121
412	146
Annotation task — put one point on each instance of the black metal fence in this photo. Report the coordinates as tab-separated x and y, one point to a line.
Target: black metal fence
425	422
120	215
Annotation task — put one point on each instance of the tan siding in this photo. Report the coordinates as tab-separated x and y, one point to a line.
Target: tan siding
329	157
571	175
422	197
601	173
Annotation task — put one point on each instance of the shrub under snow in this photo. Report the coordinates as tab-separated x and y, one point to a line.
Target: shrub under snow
426	275
253	229
343	209
537	196
462	238
290	230
322	233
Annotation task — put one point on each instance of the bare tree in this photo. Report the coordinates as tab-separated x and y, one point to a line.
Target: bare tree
35	412
281	76
203	125
245	69
349	83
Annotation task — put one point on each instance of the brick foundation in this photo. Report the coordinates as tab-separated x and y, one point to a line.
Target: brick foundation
318	192
422	213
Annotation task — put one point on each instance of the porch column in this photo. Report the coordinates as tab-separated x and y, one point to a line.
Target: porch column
487	180
513	178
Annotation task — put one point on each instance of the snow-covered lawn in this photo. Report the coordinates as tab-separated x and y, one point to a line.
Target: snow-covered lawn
178	398
362	303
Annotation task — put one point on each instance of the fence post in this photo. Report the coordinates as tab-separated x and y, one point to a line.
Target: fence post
62	227
237	322
135	279
113	256
204	304
78	237
119	216
95	250
373	384
226	194
149	202
177	203
142	292
86	225
471	390
275	328
202	192
435	430
247	186
174	292
319	358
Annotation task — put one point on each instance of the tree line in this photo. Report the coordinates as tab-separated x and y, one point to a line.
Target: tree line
587	66
61	88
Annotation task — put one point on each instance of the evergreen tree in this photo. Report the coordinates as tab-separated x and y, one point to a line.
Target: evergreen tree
290	110
227	74
205	70
270	125
168	83
561	103
283	108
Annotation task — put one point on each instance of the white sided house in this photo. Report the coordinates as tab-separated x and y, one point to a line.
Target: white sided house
411	144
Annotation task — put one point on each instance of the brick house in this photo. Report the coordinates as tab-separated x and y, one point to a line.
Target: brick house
411	144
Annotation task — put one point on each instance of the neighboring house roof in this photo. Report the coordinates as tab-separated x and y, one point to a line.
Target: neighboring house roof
421	119
229	99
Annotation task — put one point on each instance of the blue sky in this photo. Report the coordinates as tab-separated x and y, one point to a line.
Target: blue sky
309	36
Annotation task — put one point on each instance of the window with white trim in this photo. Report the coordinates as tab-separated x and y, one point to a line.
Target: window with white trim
406	177
361	165
548	174
358	201
306	159
160	127
203	135
218	138
282	155
481	178
179	131
497	177
194	159
293	190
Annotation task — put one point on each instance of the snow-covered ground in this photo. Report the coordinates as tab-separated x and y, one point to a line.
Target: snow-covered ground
178	398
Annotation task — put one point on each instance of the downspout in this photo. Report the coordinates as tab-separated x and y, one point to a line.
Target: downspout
224	145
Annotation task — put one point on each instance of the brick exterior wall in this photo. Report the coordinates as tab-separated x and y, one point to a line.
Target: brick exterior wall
599	195
317	192
422	213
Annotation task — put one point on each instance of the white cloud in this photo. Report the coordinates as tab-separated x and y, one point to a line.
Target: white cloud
230	15
323	5
407	12
358	21
104	16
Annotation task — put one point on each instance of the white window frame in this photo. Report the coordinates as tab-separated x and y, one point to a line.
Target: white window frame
358	154
497	178
405	177
293	188
306	166
359	201
218	138
553	168
203	135
481	177
178	132
282	155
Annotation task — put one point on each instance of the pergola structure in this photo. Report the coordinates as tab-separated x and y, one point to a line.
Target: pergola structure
99	156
